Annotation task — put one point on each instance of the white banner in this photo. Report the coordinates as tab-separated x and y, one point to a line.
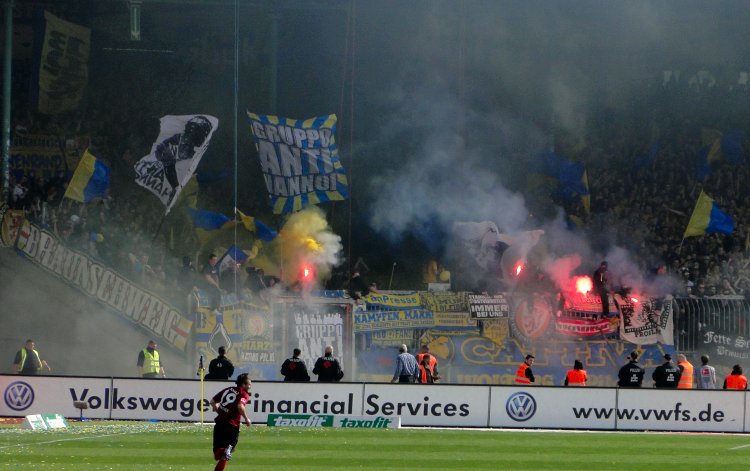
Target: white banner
175	155
421	405
105	285
684	410
434	405
26	395
536	407
646	322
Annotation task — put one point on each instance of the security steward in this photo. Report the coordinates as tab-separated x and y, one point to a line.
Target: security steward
28	361
686	372
576	376
666	375
149	364
631	375
294	368
524	375
220	367
736	380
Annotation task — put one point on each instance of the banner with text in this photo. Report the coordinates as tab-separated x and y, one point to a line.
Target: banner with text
63	65
488	307
312	326
105	285
246	331
299	160
646	321
36	155
392	311
175	155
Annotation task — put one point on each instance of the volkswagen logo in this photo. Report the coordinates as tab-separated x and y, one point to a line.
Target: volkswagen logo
19	396
520	407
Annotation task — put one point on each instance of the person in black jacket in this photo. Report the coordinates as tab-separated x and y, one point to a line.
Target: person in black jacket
294	369
328	367
631	375
220	367
666	375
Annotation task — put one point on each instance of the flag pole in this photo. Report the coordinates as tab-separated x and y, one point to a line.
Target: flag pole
201	372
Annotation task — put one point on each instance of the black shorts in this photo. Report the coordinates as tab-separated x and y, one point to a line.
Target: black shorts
225	434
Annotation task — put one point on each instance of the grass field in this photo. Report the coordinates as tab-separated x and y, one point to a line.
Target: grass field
164	446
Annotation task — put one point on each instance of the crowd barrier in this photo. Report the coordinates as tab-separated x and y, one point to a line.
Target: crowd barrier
417	405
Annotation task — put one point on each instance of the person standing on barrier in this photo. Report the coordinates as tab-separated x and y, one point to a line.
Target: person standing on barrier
631	375
28	361
601	286
328	367
524	375
294	369
736	380
149	364
686	372
229	404
706	374
666	375
406	366
576	376
220	367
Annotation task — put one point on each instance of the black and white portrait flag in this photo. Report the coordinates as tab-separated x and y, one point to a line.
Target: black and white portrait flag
175	155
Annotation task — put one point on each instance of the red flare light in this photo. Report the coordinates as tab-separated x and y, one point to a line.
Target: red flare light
307	273
583	284
635	300
519	267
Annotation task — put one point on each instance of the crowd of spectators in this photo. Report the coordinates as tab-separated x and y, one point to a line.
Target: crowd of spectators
644	184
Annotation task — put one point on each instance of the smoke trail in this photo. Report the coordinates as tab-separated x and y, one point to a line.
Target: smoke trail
306	239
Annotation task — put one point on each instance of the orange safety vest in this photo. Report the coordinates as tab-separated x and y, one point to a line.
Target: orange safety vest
736	382
521	374
686	380
433	360
577	378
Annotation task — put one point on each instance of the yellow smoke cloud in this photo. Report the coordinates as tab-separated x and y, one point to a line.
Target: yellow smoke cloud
306	238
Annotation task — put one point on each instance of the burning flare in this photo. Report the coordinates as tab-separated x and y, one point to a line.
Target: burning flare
583	284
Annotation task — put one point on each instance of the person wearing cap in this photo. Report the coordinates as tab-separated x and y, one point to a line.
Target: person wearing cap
406	366
706	374
686	372
736	380
601	286
666	375
524	375
631	375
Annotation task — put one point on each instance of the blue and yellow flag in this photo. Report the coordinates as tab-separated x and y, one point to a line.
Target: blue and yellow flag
90	180
208	223
299	160
256	226
708	218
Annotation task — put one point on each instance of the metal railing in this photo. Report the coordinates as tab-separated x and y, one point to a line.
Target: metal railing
695	316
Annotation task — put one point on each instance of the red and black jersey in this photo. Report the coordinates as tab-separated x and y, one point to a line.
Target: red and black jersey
227	404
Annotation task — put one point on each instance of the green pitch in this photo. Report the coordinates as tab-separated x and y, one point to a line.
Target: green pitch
164	446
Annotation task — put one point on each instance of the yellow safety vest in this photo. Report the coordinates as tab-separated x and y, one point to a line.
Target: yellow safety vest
23	359
151	362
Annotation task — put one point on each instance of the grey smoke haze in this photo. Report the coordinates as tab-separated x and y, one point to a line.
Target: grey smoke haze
73	333
468	92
